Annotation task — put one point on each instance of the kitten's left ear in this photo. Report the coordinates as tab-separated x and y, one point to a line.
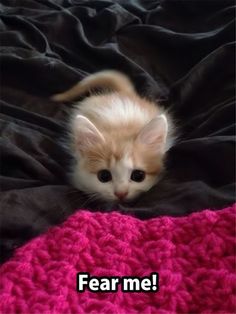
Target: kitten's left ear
86	134
154	134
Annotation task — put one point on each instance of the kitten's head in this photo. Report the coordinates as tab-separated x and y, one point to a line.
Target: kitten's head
118	165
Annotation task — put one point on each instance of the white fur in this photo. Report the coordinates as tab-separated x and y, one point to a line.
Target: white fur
115	110
118	109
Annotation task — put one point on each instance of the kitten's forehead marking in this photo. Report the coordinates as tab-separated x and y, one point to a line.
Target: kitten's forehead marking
121	168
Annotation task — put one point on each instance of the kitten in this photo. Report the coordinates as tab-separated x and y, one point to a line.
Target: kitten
119	139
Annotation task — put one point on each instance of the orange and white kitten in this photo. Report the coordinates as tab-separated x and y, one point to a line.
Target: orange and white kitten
119	139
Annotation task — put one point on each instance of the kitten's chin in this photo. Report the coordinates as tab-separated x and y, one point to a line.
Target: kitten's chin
113	200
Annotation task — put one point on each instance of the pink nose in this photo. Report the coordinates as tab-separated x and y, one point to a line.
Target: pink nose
121	195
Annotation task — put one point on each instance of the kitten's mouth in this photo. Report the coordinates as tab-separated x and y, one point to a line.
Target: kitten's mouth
124	201
129	201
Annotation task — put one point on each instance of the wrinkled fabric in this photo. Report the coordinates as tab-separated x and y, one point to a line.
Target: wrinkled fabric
194	257
180	53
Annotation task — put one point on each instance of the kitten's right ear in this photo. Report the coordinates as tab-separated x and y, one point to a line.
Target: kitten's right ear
154	134
86	134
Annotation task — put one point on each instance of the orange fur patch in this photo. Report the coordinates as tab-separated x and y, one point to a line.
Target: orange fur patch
101	155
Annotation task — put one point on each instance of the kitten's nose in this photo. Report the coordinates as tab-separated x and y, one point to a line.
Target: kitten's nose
121	195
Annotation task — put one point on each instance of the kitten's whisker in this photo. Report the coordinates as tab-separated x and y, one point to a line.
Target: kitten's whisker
73	192
91	197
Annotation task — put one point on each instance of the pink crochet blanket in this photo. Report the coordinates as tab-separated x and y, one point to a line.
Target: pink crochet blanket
193	255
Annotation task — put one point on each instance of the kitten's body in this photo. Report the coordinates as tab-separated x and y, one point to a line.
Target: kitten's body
119	132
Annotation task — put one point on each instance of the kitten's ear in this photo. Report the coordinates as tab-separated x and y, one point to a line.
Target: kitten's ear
86	134
154	134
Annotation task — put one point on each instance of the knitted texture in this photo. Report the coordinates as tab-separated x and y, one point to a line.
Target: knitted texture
193	255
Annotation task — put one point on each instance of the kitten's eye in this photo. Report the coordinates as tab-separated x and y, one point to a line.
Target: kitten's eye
104	175
137	175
